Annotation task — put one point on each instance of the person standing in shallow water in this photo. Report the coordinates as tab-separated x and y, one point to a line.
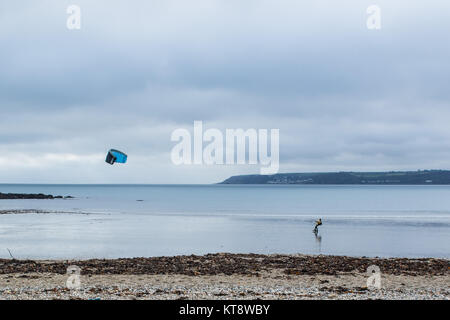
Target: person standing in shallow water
318	223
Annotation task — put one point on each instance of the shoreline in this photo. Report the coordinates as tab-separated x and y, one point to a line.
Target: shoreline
227	276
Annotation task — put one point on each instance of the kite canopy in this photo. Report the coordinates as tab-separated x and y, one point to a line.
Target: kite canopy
116	156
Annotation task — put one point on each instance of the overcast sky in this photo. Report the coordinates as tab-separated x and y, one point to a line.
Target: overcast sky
344	97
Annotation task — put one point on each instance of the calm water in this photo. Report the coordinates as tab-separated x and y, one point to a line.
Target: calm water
109	221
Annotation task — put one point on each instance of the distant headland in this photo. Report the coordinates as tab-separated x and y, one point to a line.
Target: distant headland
420	177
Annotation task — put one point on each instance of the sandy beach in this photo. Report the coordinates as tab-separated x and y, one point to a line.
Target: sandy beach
227	276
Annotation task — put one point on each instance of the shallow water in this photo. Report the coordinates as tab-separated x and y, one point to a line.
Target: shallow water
108	221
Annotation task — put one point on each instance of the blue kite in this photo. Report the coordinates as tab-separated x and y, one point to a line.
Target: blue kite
114	156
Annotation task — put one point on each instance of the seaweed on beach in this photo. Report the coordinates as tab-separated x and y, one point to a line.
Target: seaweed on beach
229	264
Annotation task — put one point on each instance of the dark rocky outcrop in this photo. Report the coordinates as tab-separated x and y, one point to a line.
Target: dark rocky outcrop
11	196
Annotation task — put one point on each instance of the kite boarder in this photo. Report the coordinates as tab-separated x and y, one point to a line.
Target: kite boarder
318	223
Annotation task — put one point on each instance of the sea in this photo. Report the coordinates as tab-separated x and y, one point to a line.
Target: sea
114	221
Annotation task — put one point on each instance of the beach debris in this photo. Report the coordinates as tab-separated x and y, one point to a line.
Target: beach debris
12	257
230	264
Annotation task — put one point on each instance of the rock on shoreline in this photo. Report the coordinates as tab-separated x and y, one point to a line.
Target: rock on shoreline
11	196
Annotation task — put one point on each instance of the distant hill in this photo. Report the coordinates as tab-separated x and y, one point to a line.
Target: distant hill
373	178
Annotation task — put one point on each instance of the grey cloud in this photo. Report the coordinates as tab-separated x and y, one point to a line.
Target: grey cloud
341	95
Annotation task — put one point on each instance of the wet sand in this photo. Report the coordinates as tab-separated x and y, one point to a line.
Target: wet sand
227	276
